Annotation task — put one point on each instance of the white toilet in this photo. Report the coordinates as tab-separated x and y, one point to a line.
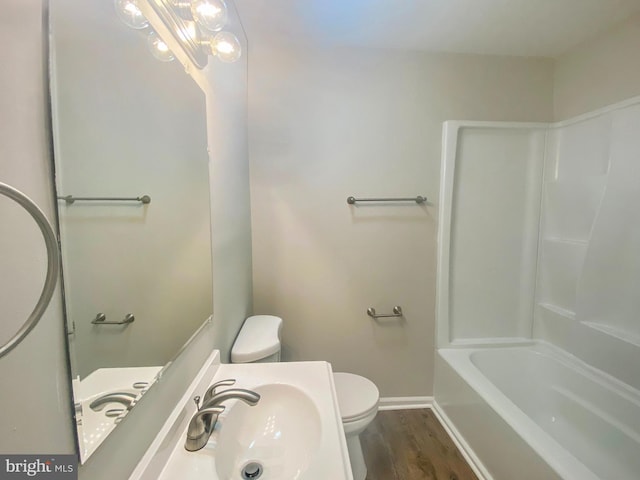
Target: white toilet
358	402
259	341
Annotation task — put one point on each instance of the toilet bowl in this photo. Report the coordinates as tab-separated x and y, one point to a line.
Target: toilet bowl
358	403
259	341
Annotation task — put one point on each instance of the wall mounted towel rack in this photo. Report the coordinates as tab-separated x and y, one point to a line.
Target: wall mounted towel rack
70	199
101	319
53	265
397	312
419	200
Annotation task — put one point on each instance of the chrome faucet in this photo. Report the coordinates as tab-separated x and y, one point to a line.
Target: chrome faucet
204	420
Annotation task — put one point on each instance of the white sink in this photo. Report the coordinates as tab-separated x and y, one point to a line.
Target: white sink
293	433
281	434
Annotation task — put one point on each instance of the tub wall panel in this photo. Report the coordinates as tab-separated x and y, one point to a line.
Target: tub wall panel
589	253
494	227
608	289
503	453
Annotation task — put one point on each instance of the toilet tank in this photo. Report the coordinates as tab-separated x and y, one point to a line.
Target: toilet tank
258	340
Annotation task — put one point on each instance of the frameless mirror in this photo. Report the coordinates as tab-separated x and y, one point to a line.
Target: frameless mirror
131	174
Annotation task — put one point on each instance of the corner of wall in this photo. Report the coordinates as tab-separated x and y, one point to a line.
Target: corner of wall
227	116
598	72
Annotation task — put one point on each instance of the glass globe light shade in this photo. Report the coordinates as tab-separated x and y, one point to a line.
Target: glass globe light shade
210	14
130	14
226	47
158	48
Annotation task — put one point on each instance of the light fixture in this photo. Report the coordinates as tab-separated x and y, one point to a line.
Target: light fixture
159	49
226	46
196	25
131	15
129	12
211	15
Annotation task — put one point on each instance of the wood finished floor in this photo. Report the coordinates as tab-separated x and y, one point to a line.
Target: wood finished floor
411	445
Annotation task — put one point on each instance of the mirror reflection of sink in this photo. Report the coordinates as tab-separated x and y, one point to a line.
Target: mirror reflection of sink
281	434
95	424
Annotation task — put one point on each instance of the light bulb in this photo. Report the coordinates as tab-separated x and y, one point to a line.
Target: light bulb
158	48
226	47
210	14
189	33
129	12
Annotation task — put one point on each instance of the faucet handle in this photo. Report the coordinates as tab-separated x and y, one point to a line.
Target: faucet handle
212	389
222	383
196	400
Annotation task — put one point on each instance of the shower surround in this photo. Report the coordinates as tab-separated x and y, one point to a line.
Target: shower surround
538	332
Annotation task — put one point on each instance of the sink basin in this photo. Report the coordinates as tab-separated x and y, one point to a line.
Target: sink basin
281	434
293	433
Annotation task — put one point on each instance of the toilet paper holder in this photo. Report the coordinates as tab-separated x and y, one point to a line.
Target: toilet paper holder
397	312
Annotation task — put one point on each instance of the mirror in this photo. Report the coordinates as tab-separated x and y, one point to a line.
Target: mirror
131	175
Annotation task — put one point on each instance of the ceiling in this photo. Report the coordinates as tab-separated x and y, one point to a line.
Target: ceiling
545	28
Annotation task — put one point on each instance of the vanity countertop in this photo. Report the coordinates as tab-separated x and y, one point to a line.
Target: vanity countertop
294	432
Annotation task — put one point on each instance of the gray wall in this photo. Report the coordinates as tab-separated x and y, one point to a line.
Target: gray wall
599	72
36	402
328	123
230	199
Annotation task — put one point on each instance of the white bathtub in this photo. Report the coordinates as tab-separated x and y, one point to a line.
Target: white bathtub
534	412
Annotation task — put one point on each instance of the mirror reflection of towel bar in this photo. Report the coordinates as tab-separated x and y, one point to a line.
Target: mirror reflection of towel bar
70	199
397	312
101	319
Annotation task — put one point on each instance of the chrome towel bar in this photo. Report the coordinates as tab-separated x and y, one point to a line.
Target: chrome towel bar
397	312
70	199
419	200
53	265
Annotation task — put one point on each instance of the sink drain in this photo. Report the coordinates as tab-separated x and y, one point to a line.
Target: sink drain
251	470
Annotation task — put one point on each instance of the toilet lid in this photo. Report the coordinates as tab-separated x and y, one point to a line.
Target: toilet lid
259	337
357	396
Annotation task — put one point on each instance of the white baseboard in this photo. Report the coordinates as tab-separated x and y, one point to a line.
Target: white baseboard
404	403
459	441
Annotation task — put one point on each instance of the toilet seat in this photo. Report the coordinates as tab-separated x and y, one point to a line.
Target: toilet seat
357	396
369	413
